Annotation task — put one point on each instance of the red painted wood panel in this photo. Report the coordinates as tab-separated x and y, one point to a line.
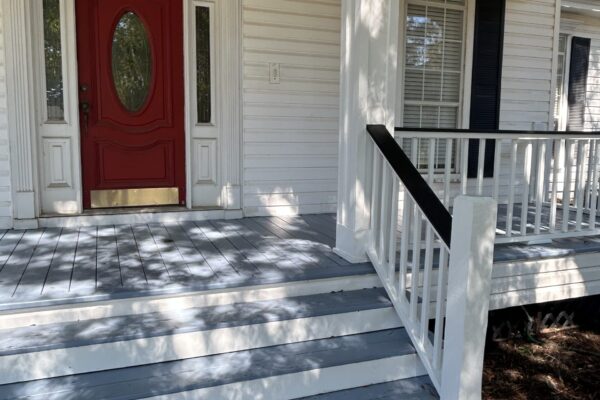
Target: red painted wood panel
123	149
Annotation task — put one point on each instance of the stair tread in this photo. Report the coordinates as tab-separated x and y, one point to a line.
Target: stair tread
210	371
116	329
418	388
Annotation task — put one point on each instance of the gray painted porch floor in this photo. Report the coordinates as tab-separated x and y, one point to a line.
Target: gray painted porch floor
52	266
56	266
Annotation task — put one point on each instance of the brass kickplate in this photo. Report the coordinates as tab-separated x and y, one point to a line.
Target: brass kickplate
134	197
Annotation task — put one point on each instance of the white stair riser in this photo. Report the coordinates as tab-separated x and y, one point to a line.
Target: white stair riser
77	360
313	382
166	303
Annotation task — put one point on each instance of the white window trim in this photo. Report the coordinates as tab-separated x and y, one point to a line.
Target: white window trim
563	115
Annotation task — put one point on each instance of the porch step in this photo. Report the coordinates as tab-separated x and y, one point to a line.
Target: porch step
15	315
59	349
419	388
286	371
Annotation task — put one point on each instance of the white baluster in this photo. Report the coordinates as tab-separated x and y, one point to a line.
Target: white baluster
526	187
375	198
540	183
511	187
416	264
465	166
384	213
448	170
481	166
426	299
595	178
566	201
393	234
497	169
407	214
579	184
558	151
440	308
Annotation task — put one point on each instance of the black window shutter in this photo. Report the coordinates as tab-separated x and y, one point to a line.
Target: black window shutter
487	76
578	74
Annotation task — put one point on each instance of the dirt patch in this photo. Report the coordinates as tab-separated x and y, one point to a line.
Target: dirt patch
553	365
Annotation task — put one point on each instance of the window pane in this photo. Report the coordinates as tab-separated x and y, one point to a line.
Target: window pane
560	80
203	72
131	62
53	61
433	66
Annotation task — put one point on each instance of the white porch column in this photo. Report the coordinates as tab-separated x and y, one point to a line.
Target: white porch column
368	81
21	110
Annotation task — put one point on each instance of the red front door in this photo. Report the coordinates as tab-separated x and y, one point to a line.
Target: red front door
131	93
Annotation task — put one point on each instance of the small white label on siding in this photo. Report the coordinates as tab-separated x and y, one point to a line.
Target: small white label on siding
274	73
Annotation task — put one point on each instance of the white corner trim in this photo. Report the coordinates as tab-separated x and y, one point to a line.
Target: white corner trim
20	80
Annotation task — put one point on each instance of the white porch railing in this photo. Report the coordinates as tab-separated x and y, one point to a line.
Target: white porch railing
436	270
545	183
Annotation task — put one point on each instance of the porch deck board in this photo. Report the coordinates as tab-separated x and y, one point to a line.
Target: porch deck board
8	243
83	280
56	266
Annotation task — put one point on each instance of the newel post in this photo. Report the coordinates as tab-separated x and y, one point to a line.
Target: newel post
469	285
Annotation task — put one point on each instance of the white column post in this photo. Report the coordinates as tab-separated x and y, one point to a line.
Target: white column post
368	81
469	285
21	110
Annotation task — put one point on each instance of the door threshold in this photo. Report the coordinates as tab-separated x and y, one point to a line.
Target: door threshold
136	215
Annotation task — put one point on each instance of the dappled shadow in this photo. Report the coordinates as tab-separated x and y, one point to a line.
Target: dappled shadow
53	266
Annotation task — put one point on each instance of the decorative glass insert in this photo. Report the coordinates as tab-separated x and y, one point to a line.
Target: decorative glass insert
53	61
131	62
203	68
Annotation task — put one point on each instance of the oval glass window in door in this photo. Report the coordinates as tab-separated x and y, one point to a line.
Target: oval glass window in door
131	62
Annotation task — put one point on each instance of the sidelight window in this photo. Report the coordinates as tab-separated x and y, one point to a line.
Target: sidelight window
53	56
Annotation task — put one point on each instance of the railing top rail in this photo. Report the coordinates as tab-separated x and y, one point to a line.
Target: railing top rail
413	181
440	133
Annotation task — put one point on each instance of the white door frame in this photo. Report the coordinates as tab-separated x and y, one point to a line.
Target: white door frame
46	157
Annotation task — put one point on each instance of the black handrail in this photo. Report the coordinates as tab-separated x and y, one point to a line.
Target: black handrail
496	131
411	178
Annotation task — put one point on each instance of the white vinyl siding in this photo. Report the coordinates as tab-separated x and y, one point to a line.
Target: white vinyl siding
527	79
290	129
5	188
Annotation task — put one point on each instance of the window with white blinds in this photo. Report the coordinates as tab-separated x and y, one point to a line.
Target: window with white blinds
559	94
433	68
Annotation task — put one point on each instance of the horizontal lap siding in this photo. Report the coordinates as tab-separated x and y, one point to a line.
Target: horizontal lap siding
291	128
527	70
5	191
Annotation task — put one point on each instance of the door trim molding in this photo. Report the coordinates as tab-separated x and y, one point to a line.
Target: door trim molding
221	140
38	194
